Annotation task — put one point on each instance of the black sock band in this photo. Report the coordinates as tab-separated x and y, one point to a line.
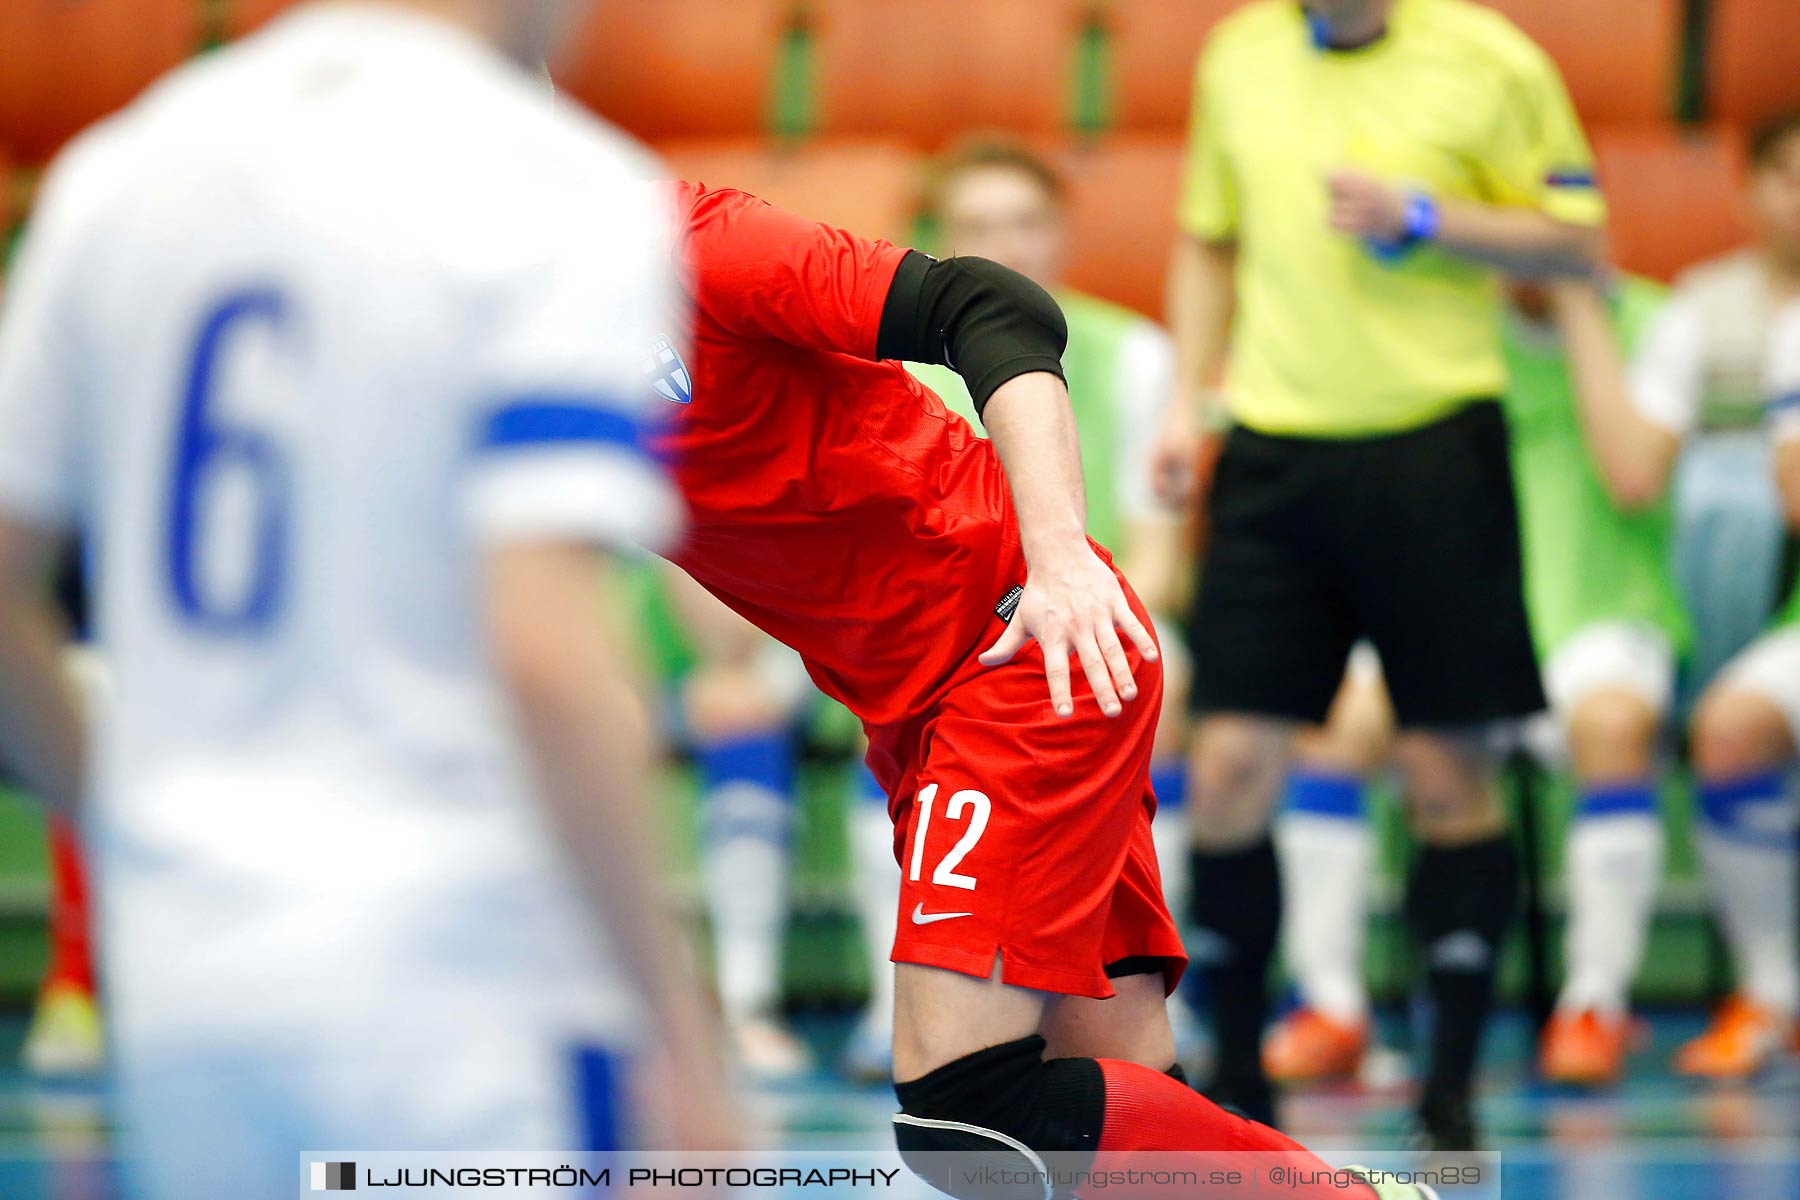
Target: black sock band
1459	903
1050	1105
1236	911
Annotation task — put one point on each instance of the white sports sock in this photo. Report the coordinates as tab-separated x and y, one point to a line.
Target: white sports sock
1169	830
1327	868
1614	866
746	894
878	899
1170	833
1747	844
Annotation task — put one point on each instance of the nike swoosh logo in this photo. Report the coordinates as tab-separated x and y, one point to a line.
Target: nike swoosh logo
921	917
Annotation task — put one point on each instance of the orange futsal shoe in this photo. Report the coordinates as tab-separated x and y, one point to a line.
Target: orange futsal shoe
1308	1045
1584	1048
1741	1040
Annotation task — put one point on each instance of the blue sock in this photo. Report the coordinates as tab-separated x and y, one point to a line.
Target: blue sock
1750	809
1322	793
1637	797
763	761
1168	779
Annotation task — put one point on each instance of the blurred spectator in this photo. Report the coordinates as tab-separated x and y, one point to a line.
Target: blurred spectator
66	1037
1703	391
1326	844
1610	629
1359	171
740	698
1703	377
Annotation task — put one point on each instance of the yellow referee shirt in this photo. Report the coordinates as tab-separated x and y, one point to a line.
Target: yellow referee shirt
1452	100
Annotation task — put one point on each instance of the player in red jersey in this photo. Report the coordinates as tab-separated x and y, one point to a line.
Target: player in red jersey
939	586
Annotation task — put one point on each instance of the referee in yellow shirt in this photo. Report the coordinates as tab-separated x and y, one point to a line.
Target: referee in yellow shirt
1360	174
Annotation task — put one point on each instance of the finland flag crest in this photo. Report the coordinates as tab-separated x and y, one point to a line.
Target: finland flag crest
669	374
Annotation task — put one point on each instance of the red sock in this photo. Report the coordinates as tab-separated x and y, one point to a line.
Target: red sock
71	956
1151	1120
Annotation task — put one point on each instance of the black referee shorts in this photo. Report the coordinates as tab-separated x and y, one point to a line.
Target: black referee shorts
1410	540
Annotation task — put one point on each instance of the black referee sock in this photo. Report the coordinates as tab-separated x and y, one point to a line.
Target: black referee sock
1236	914
1459	902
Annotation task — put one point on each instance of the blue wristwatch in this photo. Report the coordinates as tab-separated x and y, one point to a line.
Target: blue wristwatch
1423	218
1421	223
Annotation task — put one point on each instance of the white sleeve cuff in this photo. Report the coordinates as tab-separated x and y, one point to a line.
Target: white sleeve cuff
608	495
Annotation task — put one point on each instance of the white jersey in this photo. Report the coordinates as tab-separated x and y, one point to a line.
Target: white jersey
1784	377
291	339
1706	372
1704	364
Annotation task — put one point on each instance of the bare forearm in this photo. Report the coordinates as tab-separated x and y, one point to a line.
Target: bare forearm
40	723
1634	456
1032	428
588	740
1200	304
40	712
1072	603
1520	241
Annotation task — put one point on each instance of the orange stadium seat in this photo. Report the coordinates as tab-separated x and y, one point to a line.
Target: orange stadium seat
1155	47
680	68
7	187
1753	50
66	63
867	187
1123	194
1619	57
929	69
1674	195
6	194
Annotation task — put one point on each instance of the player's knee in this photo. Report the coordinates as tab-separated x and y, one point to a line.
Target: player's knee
1449	793
1235	778
1355	744
1358	737
1737	732
728	700
994	1124
1612	735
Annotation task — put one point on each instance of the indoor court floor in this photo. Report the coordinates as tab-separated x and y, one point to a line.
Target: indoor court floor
1653	1139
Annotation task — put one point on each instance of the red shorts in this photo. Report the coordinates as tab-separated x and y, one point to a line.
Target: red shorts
1024	835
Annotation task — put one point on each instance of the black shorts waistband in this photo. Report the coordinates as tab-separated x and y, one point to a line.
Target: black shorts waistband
1476	410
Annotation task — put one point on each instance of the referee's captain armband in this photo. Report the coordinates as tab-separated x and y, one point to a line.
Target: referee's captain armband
1537	155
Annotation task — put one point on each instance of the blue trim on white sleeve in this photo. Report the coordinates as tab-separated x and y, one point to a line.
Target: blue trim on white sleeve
558	420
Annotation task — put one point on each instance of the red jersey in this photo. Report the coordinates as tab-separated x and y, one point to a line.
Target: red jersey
834	501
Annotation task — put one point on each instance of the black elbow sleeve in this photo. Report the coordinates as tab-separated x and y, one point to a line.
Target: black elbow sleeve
986	322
